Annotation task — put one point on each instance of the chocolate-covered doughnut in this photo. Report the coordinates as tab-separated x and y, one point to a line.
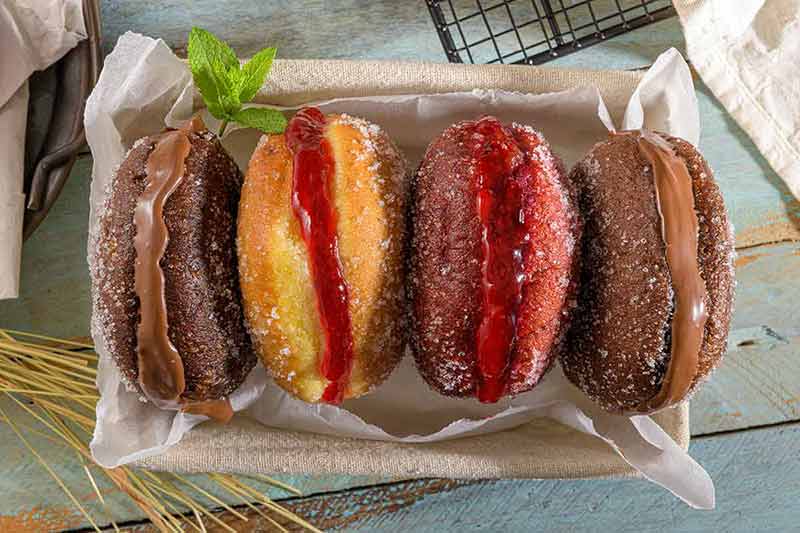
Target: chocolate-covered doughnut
493	253
657	283
321	235
165	280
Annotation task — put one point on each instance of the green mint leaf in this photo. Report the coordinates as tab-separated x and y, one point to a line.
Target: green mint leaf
215	70
219	48
230	98
266	120
225	85
254	72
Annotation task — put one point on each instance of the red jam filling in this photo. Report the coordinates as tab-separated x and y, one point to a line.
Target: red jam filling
499	205
312	203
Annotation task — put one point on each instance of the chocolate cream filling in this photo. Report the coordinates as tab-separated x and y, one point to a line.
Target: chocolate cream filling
161	372
679	228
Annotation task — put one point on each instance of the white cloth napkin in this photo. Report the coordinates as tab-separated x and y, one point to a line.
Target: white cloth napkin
748	53
33	35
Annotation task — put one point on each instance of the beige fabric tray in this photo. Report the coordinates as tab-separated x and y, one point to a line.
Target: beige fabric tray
539	449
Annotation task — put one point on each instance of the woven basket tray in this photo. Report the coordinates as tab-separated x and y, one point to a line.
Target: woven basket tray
539	449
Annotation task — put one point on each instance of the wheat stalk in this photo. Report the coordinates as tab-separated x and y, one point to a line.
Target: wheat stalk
56	379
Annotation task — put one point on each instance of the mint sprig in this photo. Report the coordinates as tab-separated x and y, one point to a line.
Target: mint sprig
226	85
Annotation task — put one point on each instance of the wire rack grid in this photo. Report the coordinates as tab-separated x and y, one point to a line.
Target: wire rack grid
535	31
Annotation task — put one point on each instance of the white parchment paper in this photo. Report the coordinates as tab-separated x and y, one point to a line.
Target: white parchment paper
144	87
33	35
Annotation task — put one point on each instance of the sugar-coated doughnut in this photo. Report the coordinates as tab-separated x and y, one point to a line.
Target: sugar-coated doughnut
657	282
320	237
492	261
164	277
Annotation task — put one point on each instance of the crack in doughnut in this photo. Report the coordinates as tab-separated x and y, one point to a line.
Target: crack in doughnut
312	204
499	205
161	373
679	229
160	366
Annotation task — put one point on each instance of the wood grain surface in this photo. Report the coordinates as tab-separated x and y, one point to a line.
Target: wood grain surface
755	470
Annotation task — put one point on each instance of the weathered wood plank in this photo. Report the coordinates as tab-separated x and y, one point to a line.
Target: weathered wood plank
32	500
759	204
759	380
344	29
374	30
756	474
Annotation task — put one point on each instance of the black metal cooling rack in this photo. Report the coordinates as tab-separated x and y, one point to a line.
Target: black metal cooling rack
535	31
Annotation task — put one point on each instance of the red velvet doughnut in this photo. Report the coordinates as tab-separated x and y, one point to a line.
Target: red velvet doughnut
493	259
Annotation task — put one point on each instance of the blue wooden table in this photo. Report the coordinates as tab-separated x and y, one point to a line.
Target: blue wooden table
744	423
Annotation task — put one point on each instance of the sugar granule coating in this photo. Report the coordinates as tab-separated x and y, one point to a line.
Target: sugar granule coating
619	344
445	262
205	317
